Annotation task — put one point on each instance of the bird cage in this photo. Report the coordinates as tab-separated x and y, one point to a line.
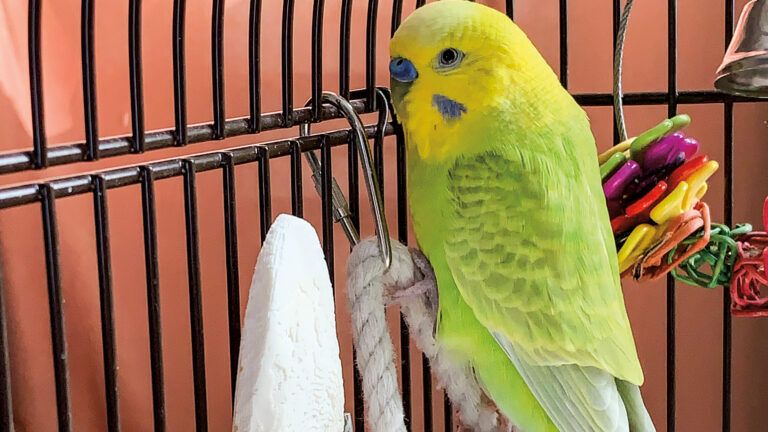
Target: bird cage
202	184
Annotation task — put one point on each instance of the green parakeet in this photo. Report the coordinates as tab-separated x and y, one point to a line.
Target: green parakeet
507	204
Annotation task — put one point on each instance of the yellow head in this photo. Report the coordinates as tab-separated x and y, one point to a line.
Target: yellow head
455	67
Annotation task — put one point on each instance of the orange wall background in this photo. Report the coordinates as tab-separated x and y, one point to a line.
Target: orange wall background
699	311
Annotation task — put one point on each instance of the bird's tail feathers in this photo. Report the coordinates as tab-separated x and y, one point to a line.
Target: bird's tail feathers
637	414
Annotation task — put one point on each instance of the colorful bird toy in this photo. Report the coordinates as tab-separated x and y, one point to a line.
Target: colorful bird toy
654	186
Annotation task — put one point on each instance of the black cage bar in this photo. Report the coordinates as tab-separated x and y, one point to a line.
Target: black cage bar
40	156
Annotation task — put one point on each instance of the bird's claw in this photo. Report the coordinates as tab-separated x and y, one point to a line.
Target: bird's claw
417	289
428	282
422	263
424	287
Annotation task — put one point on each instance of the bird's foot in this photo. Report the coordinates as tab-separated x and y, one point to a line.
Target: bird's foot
425	285
419	288
428	280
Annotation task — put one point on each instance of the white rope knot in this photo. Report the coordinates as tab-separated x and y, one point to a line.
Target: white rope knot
366	279
409	282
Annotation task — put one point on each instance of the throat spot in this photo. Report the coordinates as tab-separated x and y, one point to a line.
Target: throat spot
448	108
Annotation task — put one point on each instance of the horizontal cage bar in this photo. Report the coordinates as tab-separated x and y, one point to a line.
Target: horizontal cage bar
111	147
80	184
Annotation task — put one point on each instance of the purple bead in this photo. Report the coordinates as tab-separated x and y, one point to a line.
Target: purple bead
615	185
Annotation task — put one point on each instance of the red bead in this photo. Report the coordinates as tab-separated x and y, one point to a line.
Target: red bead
685	170
645	203
623	223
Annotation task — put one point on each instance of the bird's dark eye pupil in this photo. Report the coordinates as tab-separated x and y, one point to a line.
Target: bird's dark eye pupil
448	56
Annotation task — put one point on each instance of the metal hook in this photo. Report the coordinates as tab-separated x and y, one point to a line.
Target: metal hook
340	205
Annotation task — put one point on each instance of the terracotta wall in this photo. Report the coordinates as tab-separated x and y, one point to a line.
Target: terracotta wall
699	311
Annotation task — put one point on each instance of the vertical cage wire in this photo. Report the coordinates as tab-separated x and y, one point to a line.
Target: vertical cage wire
297	199
149	218
563	22
6	404
426	369
39	142
254	66
179	71
370	53
318	8
89	79
195	295
136	77
40	151
345	29
671	292
56	308
265	191
402	236
354	207
728	216
287	65
217	71
106	303
402	221
233	270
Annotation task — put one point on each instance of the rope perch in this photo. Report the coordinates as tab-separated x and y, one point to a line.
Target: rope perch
366	279
411	284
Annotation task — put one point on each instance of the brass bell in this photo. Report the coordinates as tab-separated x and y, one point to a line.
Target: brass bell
744	70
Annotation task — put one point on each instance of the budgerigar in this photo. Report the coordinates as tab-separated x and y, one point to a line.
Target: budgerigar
507	204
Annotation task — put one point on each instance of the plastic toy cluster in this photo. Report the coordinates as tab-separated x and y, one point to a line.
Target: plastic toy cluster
654	184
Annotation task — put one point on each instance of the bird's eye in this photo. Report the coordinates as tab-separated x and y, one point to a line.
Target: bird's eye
449	58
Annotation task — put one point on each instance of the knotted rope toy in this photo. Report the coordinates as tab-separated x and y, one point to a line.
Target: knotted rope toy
410	283
750	272
718	256
367	278
738	260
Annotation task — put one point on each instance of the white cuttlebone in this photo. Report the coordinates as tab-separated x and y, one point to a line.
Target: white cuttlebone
289	376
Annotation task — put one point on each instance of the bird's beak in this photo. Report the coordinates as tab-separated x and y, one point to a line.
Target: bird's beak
402	70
